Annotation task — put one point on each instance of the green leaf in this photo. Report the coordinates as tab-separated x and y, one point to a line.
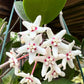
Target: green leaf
82	47
14	80
7	78
27	68
70	38
10	78
19	10
70	73
58	81
49	9
16	44
3	25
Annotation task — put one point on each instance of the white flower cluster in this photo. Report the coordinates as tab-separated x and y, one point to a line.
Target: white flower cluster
51	50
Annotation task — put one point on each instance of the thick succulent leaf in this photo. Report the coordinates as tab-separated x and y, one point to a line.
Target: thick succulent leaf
19	10
58	81
49	9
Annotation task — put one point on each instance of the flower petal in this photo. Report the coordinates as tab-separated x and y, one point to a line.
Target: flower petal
38	39
26	39
76	52
32	34
44	70
22	74
37	21
41	29
71	45
70	63
24	32
64	63
36	80
9	54
41	50
58	70
61	56
31	57
63	48
23	81
39	58
60	34
27	24
48	76
62	74
50	33
55	51
22	49
48	51
46	43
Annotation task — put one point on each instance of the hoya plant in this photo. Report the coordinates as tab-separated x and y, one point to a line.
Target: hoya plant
37	55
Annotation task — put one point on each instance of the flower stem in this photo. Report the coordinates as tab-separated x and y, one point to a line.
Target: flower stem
34	67
22	57
3	65
6	63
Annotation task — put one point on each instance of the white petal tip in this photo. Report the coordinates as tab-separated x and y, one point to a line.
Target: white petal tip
39	16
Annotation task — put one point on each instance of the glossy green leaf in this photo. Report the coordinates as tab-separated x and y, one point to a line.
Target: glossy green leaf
82	47
19	10
58	81
49	9
70	38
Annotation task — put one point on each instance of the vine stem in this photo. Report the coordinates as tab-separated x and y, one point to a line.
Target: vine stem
8	26
3	65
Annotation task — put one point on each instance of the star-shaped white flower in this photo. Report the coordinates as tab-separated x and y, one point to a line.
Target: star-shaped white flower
25	39
33	28
70	54
33	48
12	60
49	60
29	79
53	74
54	41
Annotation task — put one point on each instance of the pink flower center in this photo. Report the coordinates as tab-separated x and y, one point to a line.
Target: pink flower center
49	61
54	73
13	61
55	41
29	79
69	55
33	28
32	47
